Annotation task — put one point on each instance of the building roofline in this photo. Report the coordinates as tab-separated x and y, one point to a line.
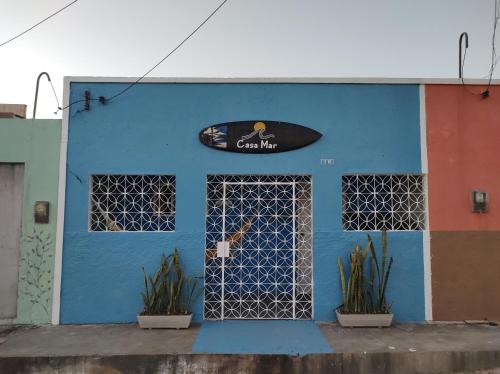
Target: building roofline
361	80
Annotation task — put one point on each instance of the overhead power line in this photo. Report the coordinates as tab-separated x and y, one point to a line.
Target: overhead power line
170	53
109	99
494	58
55	94
37	24
493	50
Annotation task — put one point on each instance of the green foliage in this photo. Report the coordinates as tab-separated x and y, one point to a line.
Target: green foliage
169	291
36	270
362	294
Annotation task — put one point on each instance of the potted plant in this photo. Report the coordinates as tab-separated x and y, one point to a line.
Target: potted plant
364	303
168	296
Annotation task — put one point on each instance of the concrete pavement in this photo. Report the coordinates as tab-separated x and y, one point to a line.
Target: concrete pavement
407	348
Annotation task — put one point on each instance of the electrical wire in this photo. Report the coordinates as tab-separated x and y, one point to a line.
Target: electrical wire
169	54
463	81
494	67
107	100
493	50
55	94
37	24
494	59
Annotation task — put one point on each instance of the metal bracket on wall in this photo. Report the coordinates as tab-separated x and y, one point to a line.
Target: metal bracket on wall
86	102
36	90
460	62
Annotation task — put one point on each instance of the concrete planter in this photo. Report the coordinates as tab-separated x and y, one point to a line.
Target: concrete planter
165	322
364	320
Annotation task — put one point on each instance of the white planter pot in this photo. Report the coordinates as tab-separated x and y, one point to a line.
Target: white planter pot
165	322
364	320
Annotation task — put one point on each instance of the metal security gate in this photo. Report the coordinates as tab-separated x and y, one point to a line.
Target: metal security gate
258	258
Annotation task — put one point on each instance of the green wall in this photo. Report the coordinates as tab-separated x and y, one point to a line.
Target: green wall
36	143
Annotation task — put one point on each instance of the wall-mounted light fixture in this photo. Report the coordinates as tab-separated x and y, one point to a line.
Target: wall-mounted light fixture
479	201
41	212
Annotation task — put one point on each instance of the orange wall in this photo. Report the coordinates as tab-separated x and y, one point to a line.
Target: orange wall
463	135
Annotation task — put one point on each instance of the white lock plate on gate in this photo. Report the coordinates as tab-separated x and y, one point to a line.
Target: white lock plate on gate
222	249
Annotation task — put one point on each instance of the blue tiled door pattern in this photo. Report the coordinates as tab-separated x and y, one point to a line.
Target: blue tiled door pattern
266	221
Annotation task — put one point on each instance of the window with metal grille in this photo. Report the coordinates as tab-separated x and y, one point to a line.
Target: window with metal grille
377	202
132	203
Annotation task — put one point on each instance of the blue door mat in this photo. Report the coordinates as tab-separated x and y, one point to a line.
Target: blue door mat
261	337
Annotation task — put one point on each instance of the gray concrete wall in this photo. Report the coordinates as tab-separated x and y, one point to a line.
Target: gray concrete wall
11	193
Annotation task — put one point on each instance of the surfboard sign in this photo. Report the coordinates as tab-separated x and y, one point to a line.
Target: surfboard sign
258	136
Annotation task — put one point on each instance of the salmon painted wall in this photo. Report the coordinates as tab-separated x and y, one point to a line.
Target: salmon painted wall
463	140
463	134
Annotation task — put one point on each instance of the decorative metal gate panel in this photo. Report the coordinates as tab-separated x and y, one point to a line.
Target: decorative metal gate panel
258	257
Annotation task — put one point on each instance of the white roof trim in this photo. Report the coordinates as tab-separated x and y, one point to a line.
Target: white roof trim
89	79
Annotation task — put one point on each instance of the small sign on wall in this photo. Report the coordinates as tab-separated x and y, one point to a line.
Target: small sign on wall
222	249
327	162
41	212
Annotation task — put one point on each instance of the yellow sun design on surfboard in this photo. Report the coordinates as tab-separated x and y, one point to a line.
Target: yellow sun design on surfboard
258	128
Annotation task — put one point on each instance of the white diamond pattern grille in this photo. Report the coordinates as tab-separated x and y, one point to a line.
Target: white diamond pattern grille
132	203
267	222
376	202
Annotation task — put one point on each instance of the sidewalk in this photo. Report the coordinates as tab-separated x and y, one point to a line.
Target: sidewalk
404	348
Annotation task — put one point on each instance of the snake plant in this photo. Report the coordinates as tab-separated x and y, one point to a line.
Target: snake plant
362	293
169	291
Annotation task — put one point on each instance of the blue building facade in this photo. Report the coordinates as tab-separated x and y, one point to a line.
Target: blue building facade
369	131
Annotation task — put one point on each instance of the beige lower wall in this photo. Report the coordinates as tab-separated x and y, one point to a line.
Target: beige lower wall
465	275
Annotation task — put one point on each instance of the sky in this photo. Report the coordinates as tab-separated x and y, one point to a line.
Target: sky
258	38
